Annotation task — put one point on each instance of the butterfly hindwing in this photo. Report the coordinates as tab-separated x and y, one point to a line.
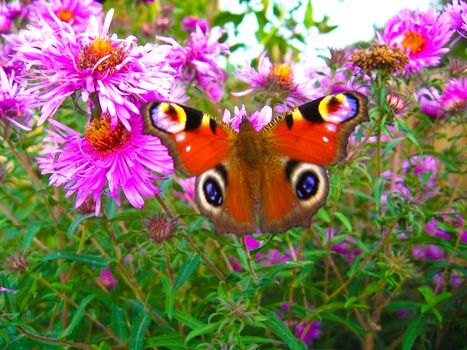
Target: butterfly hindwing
317	132
196	141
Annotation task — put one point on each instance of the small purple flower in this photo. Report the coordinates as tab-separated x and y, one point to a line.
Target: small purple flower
429	99
455	279
6	22
190	23
198	61
307	331
105	161
456	13
15	102
75	13
421	35
106	278
348	248
278	82
428	252
425	168
107	70
259	119
7	290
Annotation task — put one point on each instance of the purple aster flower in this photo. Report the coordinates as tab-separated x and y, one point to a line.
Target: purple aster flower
259	119
15	102
421	35
278	82
111	71
74	12
454	99
190	23
456	13
198	61
428	252
430	102
425	168
8	59
105	160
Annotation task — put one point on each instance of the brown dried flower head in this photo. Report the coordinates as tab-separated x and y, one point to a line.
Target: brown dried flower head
457	67
380	57
160	227
17	262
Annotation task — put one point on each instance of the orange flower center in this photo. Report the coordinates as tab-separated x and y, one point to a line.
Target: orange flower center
414	42
102	138
282	74
102	53
65	15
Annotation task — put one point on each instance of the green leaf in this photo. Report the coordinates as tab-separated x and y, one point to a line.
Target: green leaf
118	323
308	20
186	271
280	329
138	331
205	329
169	296
343	219
413	331
77	316
169	341
405	128
250	339
390	146
31	231
86	259
427	293
74	224
187	319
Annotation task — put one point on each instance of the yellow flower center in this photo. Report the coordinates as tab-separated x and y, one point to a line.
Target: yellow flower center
414	42
282	74
102	138
66	15
103	53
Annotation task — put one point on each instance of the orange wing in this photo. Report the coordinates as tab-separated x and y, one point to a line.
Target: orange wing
196	141
317	132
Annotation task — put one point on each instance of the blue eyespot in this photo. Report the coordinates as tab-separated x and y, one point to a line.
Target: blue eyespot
213	192
307	185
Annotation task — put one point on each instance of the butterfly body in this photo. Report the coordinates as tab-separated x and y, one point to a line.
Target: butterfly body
249	181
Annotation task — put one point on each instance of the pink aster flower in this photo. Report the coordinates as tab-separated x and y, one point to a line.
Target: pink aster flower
6	22
2	289
259	119
74	12
277	82
425	168
103	68
199	61
455	279
105	161
454	99
456	13
188	186
422	36
15	102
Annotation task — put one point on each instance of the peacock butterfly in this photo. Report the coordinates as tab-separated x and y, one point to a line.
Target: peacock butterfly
273	179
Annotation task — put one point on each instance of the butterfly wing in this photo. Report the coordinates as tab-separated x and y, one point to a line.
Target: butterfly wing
196	141
307	138
317	132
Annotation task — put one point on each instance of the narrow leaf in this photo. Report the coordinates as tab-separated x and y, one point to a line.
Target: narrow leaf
413	331
187	319
343	219
308	20
74	225
138	331
87	259
206	329
118	323
186	271
280	329
77	317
